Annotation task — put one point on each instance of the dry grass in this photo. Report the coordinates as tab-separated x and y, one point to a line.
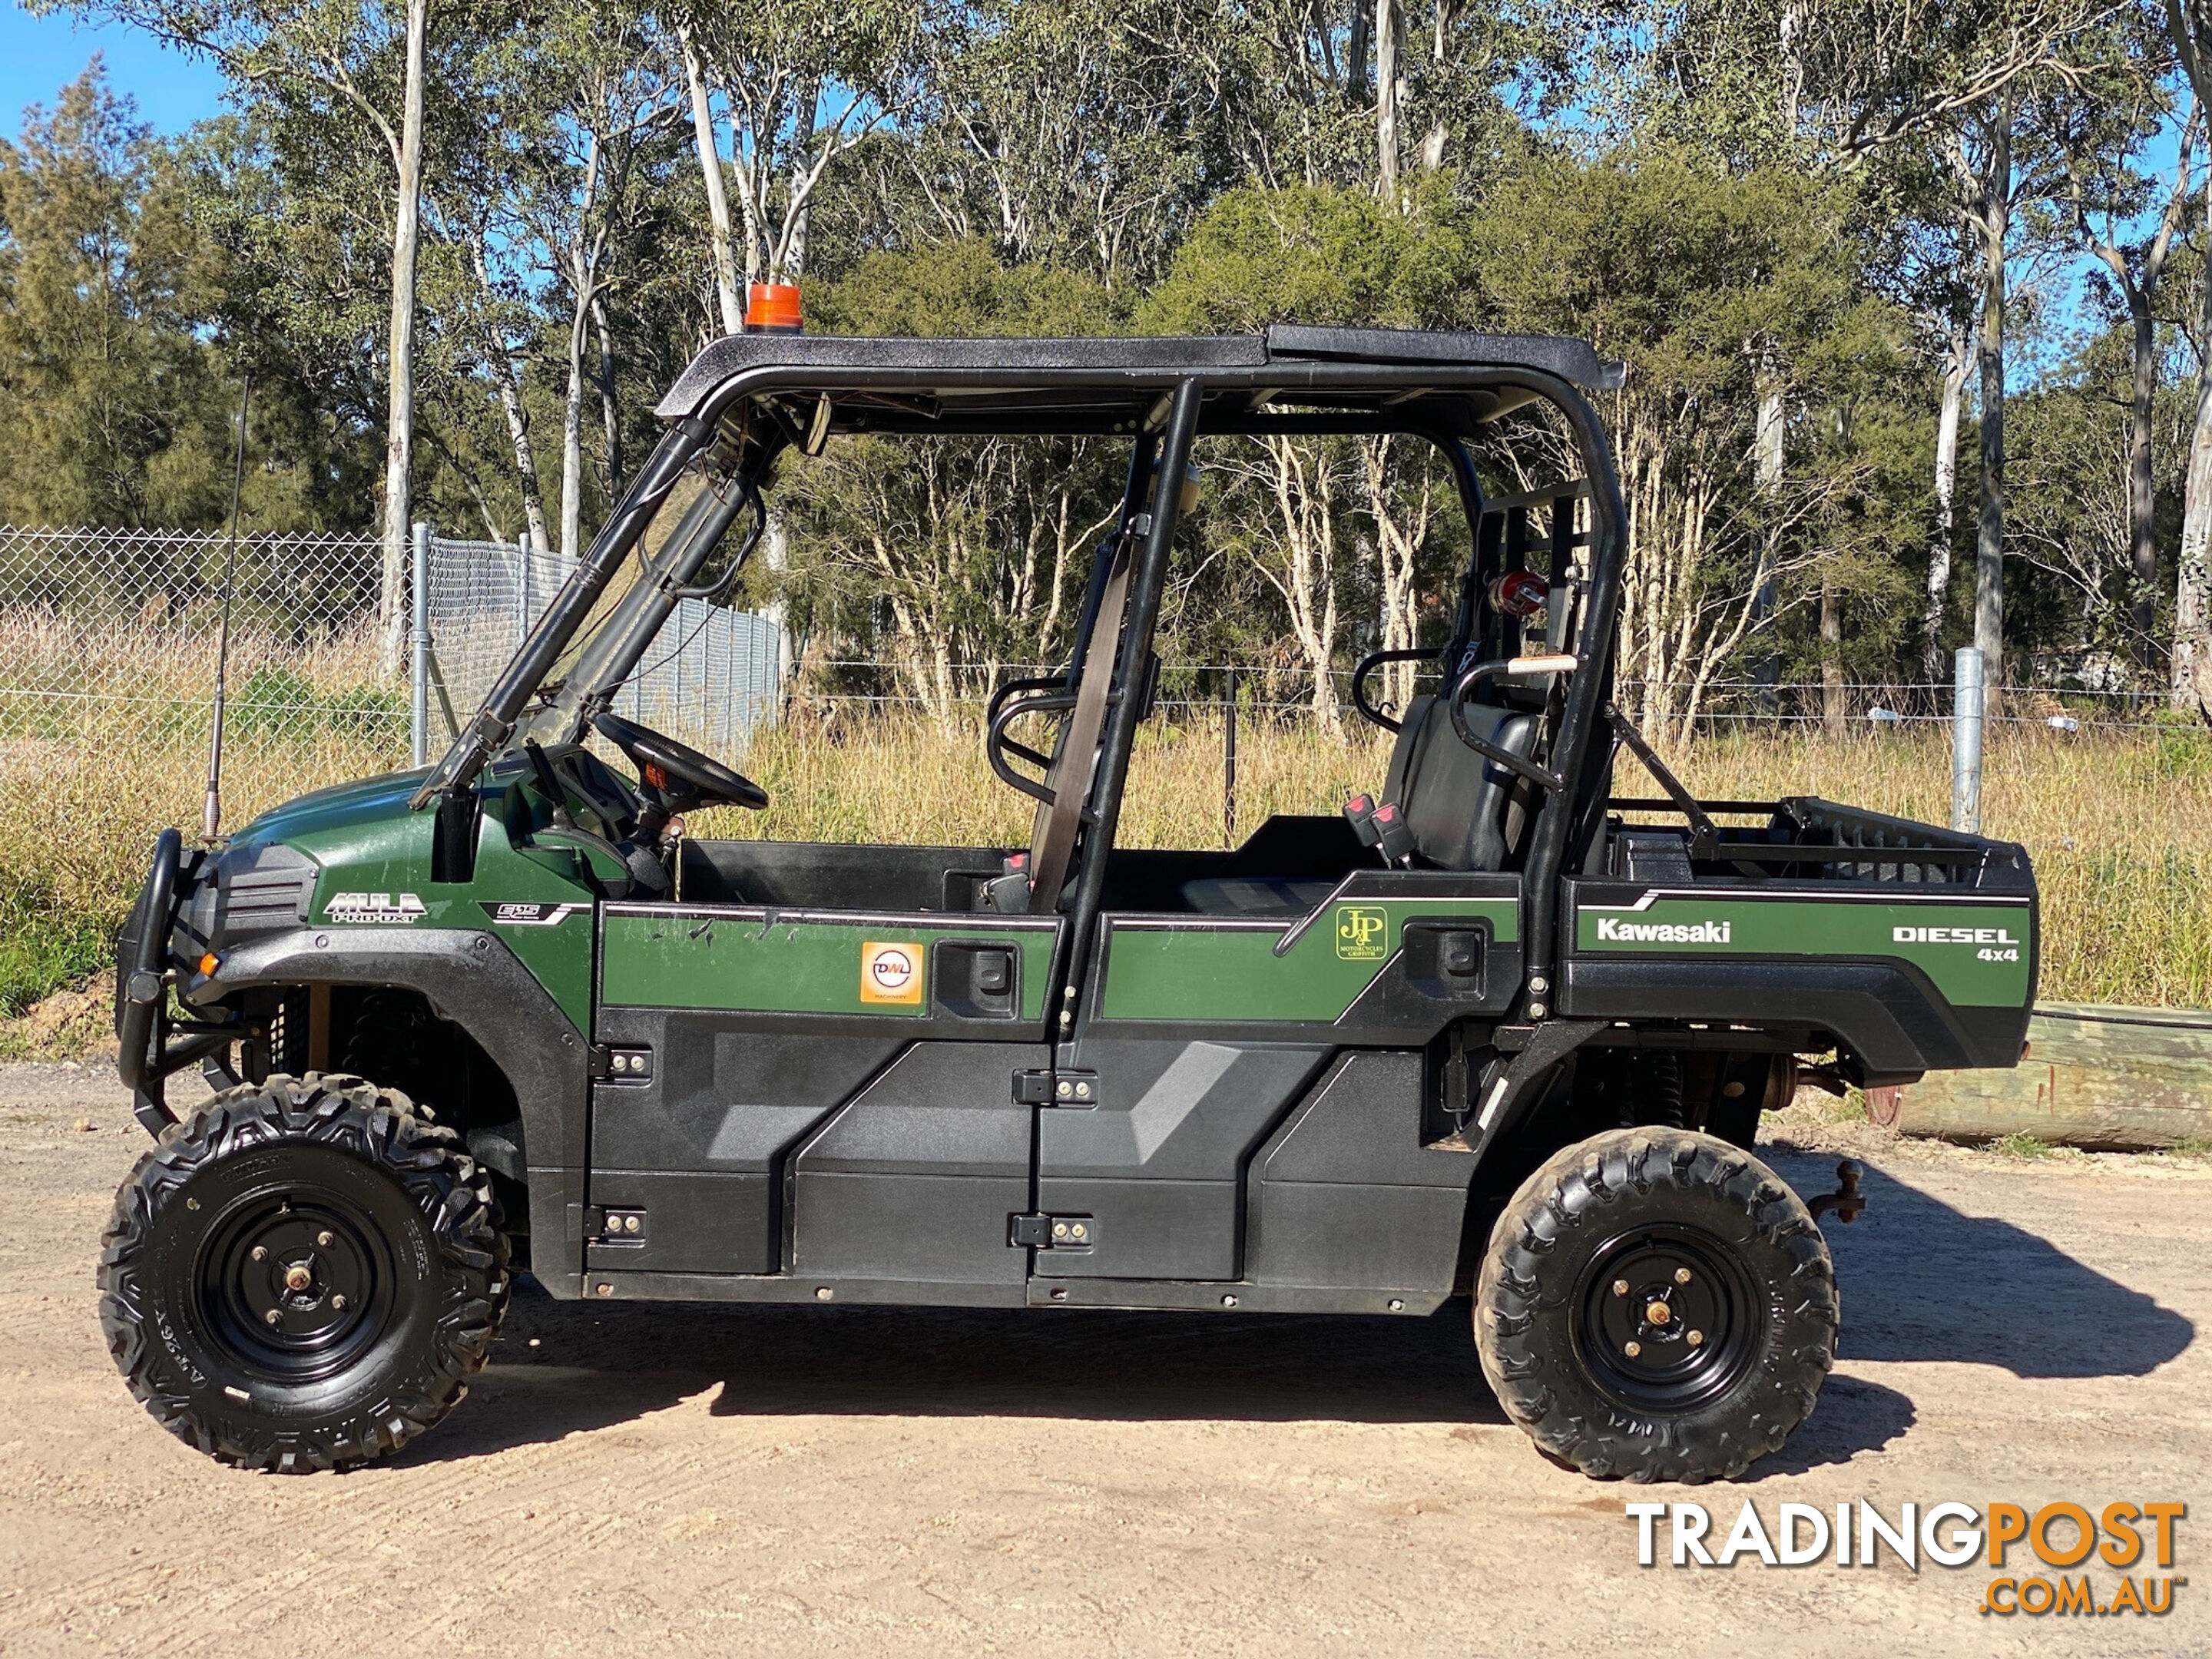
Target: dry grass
2117	824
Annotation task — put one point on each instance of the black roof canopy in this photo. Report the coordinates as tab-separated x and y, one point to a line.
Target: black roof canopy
1085	384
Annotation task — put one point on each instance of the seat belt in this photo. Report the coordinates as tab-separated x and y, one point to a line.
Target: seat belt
1054	834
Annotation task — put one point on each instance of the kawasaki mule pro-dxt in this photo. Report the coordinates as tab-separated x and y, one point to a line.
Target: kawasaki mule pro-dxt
1492	1029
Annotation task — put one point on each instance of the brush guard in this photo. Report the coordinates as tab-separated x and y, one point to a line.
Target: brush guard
151	1045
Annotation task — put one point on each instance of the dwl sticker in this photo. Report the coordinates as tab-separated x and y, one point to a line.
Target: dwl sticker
890	973
1359	931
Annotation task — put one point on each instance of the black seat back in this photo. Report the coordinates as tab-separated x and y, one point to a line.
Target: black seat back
1465	812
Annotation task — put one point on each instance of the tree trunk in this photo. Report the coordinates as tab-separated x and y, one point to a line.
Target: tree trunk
609	410
1831	655
399	424
1770	435
502	362
1947	488
718	197
2189	669
1386	97
2142	500
1993	221
572	436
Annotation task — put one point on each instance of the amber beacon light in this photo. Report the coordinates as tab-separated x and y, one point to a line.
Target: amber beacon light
773	308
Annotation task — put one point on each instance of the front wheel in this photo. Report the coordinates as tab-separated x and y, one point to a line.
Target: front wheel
303	1275
1656	1305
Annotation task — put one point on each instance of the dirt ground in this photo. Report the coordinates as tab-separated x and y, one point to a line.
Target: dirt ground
641	1480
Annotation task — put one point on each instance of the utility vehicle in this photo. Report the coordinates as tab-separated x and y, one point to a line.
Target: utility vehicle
1493	1030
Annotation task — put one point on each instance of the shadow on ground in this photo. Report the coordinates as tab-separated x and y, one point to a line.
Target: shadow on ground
1921	1281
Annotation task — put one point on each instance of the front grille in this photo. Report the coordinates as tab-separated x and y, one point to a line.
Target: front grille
247	891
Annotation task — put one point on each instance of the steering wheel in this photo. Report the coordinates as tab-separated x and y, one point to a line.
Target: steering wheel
674	773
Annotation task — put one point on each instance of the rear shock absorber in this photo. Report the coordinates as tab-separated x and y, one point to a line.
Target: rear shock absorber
1658	1098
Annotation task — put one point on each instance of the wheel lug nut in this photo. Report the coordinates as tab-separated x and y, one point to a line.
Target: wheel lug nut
1632	1349
1695	1338
326	1241
1681	1274
1620	1287
338	1302
261	1253
270	1317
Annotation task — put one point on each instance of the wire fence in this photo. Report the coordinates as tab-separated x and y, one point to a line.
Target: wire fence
107	630
104	631
1287	694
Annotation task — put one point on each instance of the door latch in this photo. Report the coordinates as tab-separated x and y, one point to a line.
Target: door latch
1077	1089
1052	1232
621	1065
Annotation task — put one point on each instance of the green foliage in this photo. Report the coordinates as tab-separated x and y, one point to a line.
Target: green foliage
277	703
43	946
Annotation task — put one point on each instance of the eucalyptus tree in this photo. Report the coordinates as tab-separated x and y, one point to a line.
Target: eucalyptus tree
802	83
2127	207
334	64
2189	31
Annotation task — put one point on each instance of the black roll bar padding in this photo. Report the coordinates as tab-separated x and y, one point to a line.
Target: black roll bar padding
145	988
1367	665
996	742
1141	615
1542	777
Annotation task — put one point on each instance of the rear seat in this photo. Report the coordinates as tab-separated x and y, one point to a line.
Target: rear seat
1465	812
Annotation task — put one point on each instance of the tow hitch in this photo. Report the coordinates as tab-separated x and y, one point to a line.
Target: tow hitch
1846	1200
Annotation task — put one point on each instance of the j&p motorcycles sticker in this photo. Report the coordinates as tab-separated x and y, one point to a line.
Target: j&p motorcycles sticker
891	972
2058	1558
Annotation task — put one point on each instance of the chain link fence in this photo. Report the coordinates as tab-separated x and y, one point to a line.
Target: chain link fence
106	632
711	677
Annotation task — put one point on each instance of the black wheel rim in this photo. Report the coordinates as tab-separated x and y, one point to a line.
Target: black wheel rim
295	1284
1670	1318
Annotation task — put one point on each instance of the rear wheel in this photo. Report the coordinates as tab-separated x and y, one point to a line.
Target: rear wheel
1656	1305
303	1275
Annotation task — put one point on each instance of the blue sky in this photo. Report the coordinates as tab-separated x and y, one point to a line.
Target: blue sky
39	56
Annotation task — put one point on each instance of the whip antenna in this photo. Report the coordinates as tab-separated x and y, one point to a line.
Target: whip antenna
211	809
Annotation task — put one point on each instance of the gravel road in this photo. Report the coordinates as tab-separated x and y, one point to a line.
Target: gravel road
641	1480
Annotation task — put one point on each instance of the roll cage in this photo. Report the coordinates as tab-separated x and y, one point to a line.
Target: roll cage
747	399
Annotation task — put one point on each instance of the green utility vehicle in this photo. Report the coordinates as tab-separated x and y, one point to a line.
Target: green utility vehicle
1493	1030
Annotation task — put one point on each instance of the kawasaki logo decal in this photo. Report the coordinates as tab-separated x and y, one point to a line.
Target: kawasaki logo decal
1611	928
375	908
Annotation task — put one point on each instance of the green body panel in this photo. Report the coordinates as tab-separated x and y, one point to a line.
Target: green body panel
1978	954
374	856
763	962
1196	969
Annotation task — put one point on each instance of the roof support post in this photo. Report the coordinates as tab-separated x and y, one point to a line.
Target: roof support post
1148	583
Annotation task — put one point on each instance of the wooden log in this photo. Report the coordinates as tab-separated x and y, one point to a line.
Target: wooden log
2103	1077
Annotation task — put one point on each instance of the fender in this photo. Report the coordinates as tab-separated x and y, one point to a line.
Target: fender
473	980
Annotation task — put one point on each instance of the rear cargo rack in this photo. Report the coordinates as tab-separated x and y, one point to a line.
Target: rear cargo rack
1823	835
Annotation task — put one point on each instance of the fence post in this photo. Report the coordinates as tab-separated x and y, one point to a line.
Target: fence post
521	588
1968	692
418	675
1229	769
